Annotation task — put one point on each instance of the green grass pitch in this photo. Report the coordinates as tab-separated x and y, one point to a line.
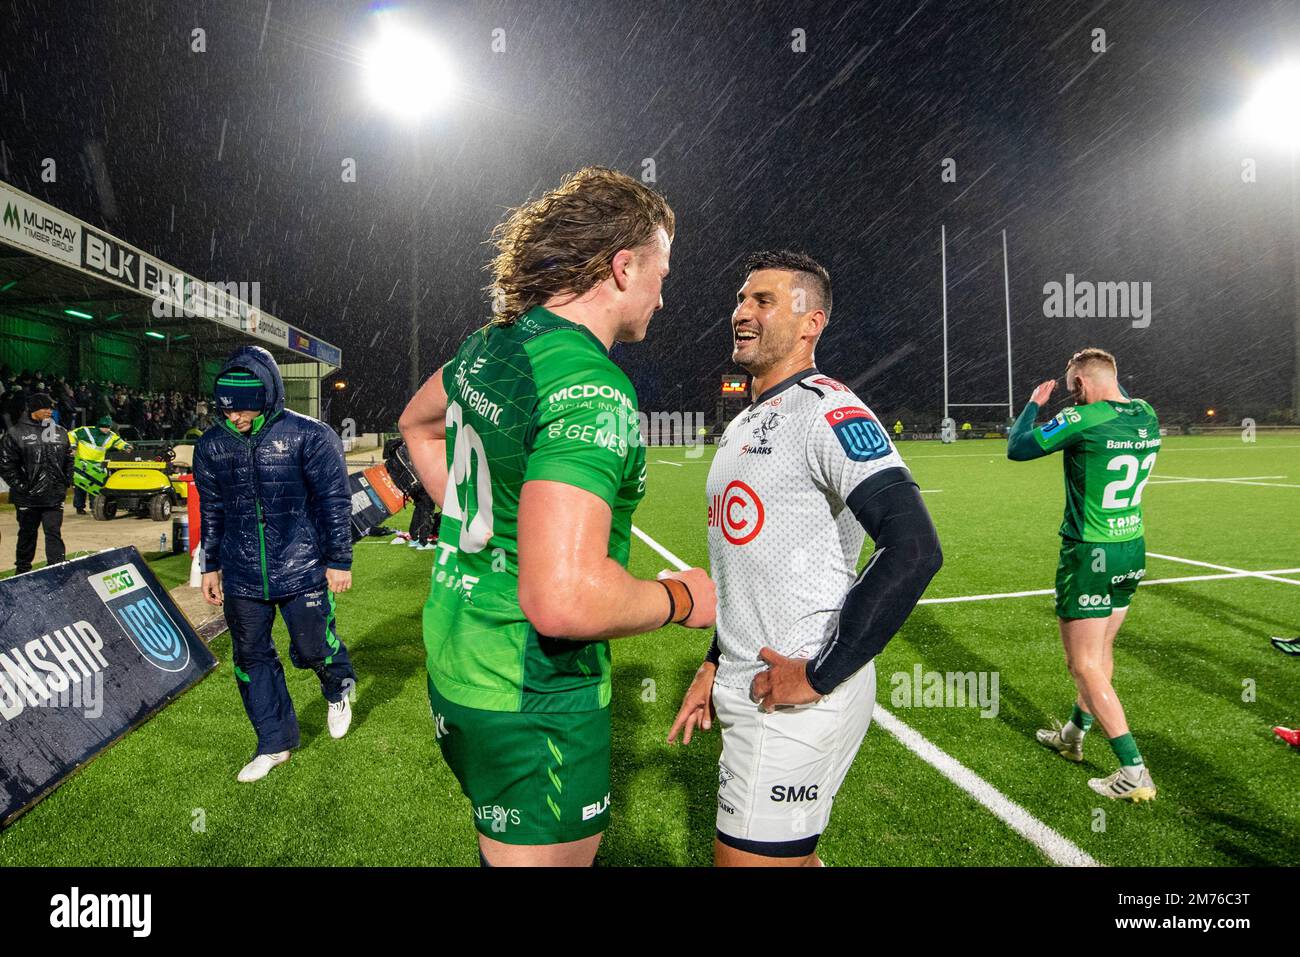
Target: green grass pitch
1186	663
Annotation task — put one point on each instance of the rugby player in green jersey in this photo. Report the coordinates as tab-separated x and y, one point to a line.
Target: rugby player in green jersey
530	438
1110	443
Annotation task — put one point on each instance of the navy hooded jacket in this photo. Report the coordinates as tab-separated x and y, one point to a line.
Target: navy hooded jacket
275	505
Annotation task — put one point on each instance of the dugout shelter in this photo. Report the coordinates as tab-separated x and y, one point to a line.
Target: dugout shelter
77	302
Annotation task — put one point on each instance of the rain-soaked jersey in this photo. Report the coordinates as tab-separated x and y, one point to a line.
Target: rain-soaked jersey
538	399
783	545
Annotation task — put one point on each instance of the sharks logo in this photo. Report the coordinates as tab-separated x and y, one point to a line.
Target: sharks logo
763	431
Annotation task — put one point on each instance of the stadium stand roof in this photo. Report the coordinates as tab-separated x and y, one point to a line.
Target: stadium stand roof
59	270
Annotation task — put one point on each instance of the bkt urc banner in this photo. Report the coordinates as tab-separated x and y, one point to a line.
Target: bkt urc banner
89	649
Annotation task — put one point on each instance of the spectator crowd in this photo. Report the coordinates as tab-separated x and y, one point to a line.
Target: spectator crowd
153	415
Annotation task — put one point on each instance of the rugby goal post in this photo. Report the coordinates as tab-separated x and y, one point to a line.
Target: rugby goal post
948	426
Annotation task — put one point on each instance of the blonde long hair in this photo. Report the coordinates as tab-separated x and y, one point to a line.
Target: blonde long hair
566	240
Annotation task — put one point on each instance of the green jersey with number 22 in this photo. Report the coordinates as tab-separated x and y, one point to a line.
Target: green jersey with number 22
537	399
1110	449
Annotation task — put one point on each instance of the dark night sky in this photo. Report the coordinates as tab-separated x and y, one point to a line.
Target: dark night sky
1119	167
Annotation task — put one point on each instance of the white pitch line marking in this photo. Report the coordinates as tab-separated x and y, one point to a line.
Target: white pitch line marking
1154	581
1269	576
1171	480
663	553
1229	478
1056	847
1002	453
675	465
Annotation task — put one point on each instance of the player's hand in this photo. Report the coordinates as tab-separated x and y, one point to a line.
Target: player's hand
1042	392
785	682
703	594
697	707
212	592
338	581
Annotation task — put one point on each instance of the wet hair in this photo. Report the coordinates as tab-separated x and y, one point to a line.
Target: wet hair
565	241
1086	360
812	274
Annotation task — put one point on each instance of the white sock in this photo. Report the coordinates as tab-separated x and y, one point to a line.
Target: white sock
1071	733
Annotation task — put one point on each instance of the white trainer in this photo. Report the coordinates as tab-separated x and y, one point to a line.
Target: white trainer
339	717
1124	785
1054	739
261	765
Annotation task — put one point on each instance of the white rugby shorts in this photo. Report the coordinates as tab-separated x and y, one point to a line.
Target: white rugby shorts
779	772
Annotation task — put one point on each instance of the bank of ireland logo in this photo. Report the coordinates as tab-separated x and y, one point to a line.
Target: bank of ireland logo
859	433
11	215
742	514
146	623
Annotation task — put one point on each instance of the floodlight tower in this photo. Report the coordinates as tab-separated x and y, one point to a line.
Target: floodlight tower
408	76
1273	114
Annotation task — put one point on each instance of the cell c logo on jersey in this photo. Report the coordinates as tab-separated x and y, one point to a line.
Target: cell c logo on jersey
741	514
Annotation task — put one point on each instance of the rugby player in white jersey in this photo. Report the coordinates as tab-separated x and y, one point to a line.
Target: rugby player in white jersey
800	479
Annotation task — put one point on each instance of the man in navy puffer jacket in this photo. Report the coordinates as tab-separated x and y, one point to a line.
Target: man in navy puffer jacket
273	495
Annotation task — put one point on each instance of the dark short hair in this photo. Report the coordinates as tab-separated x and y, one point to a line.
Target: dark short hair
814	273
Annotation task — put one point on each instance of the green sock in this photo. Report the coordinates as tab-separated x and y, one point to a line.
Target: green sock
1126	750
1080	719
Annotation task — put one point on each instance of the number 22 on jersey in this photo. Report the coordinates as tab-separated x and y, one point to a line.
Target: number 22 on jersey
1116	494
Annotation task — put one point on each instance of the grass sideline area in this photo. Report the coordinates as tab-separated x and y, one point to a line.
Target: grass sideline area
1185	662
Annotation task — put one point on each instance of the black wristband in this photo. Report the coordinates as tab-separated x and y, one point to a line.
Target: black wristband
714	654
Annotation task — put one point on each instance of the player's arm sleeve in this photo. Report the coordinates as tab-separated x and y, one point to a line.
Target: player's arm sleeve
582	428
212	515
906	557
326	474
853	460
715	651
1020	440
1065	429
